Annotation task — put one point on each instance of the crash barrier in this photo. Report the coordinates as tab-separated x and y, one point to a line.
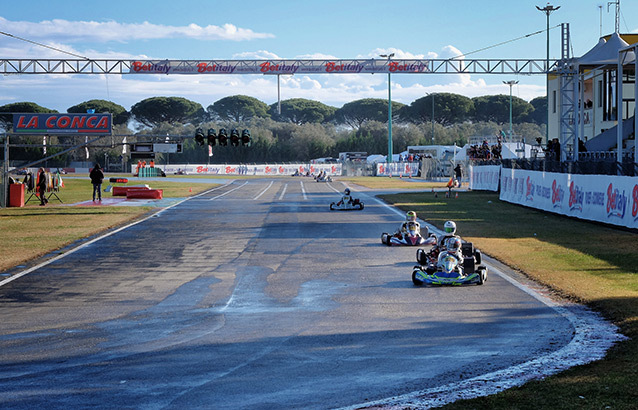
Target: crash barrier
123	190
603	198
150	172
16	195
144	194
253	169
398	169
484	178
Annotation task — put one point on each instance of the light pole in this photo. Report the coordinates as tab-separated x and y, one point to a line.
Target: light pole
547	10
432	95
510	83
389	160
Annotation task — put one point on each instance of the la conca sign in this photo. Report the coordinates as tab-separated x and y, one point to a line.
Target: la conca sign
29	123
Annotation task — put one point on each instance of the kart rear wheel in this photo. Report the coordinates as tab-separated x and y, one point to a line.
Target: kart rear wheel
421	257
415	280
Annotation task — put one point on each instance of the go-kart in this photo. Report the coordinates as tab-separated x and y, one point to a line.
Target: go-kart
408	238
449	270
326	178
355	205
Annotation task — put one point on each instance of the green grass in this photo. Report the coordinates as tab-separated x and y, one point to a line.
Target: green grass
587	262
34	231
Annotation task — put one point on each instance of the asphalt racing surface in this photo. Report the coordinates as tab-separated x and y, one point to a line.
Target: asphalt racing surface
255	295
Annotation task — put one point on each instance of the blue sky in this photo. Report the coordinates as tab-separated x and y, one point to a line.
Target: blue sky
210	29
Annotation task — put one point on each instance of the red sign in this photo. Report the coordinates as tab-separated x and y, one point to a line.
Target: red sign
29	123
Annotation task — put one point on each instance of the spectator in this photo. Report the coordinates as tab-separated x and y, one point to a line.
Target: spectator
458	172
97	176
42	186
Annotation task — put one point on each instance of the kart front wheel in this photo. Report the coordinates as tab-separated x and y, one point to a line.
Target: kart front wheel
332	206
482	274
415	280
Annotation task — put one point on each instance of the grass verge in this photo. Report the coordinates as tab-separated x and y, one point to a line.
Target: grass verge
587	262
34	231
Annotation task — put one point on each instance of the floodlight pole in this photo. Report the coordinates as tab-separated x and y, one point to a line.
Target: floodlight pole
389	159
547	10
510	83
5	173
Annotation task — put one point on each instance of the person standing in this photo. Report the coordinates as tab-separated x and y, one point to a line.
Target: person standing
42	186
97	176
458	172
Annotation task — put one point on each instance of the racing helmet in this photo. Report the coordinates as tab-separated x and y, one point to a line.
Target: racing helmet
410	216
449	228
347	191
453	245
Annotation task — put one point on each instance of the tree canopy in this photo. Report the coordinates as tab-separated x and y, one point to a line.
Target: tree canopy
358	112
237	108
301	111
119	113
448	109
497	108
155	110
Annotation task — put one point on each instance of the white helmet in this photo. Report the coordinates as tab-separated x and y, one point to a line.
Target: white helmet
449	228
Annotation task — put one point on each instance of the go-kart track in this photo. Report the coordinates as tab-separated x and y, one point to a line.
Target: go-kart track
254	295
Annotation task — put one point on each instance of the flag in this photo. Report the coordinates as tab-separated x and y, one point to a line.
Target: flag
210	151
44	145
124	146
86	148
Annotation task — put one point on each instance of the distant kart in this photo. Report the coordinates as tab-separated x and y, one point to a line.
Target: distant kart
327	178
409	238
356	205
448	270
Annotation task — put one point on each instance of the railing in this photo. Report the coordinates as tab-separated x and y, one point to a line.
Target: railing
588	166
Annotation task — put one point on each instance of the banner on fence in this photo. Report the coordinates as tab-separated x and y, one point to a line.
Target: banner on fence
398	169
256	169
603	198
485	177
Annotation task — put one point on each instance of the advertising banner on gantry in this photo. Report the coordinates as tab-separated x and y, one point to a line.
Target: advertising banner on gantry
603	198
278	66
485	177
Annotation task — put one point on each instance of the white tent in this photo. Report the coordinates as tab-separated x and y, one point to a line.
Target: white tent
605	52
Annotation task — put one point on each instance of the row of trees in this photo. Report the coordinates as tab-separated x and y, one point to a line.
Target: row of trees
303	129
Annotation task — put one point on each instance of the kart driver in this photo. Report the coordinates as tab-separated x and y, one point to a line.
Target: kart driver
409	224
346	197
449	242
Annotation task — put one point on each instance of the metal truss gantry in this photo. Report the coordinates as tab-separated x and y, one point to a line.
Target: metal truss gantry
221	67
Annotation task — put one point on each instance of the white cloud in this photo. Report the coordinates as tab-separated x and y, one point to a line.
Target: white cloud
106	31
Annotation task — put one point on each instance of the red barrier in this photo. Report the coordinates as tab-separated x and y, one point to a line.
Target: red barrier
16	195
122	190
118	180
144	194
